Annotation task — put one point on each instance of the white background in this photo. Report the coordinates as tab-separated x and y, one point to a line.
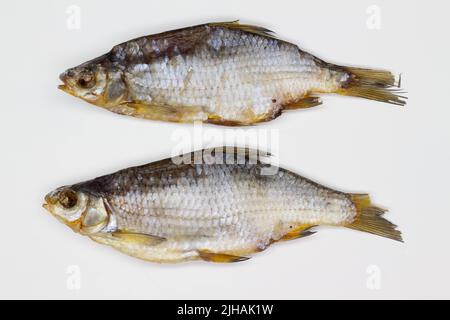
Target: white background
399	155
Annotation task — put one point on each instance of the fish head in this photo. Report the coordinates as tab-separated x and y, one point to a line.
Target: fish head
98	81
82	212
87	81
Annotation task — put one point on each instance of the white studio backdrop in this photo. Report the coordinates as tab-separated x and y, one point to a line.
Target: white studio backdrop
399	155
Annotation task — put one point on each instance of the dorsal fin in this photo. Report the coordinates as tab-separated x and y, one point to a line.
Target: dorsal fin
261	31
226	154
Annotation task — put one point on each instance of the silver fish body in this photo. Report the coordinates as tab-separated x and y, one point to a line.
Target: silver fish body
172	212
223	73
230	75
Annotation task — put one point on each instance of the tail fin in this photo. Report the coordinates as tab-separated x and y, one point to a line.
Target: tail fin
369	219
371	84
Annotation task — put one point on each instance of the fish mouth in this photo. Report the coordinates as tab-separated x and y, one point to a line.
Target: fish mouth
67	89
64	88
75	225
47	202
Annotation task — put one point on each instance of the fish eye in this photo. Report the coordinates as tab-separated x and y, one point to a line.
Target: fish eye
68	198
86	82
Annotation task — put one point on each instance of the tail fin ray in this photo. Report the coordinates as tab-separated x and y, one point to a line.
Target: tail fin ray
369	218
371	84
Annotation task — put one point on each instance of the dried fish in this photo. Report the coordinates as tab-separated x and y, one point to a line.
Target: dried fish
223	73
222	208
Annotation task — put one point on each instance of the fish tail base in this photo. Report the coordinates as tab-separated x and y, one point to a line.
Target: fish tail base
369	218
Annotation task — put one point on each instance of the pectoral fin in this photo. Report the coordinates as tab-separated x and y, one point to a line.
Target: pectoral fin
261	31
137	238
307	102
219	257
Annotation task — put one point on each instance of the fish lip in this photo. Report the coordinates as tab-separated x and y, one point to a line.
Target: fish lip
64	87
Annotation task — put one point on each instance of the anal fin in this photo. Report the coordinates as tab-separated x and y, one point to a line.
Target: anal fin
307	102
220	257
299	232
